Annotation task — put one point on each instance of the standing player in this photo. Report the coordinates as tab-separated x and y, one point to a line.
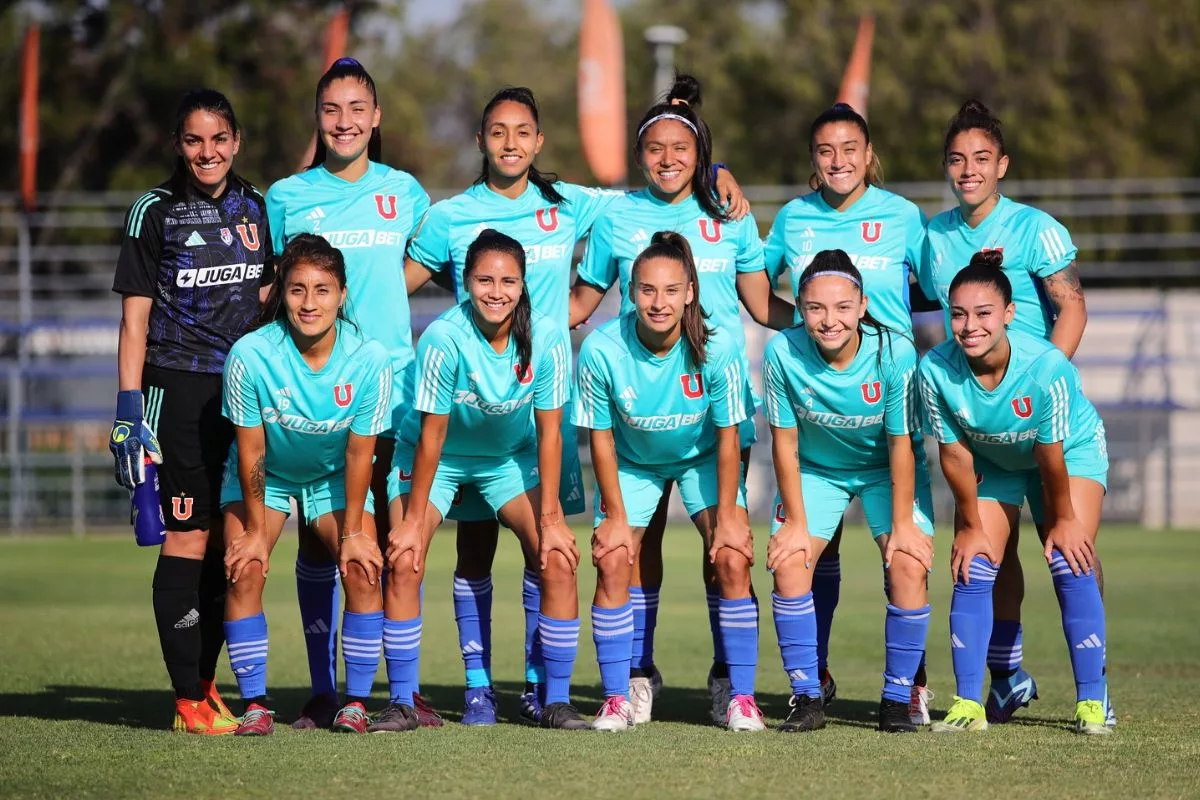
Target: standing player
368	211
884	235
194	254
308	395
675	153
493	379
1039	261
1013	424
840	397
662	395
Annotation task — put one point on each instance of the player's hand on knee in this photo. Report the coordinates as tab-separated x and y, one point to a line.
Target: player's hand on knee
907	538
1070	538
245	548
732	532
790	540
356	547
609	536
557	537
968	543
407	537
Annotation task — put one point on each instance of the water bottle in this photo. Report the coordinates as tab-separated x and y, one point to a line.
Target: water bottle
146	515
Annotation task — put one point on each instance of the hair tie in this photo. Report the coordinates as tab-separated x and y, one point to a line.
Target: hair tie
667	115
679	101
826	273
347	61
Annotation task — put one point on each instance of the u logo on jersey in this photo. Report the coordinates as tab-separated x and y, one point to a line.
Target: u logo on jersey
343	394
871	231
871	392
693	385
390	211
249	236
713	235
1023	407
526	377
547	218
181	508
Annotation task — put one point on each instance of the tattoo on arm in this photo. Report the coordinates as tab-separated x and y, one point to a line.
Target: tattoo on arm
1063	286
258	478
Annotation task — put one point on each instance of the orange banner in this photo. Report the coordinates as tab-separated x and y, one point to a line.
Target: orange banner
602	92
856	81
29	117
335	47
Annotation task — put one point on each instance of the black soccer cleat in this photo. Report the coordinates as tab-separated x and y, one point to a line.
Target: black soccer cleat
894	717
564	717
807	714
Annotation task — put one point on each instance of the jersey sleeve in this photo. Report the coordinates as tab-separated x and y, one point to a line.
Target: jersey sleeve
1054	400
276	214
437	370
900	417
374	412
939	419
239	397
750	257
593	392
268	268
1052	248
141	249
726	384
588	204
775	392
430	245
914	244
775	248
419	202
599	265
552	379
925	269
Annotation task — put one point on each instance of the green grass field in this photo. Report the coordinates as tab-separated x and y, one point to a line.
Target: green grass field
85	706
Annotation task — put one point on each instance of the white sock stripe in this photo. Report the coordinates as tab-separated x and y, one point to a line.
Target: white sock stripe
613	634
917	617
607	626
407	636
726	624
234	647
389	647
356	640
739	613
474	583
247	655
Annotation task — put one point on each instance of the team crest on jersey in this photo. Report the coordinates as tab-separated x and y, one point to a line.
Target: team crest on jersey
226	236
525	377
343	394
780	516
871	392
547	218
710	230
385	204
181	507
405	477
248	234
1023	407
693	385
871	231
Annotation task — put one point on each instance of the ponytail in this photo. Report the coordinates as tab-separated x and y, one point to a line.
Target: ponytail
986	269
348	68
668	244
522	330
493	241
843	112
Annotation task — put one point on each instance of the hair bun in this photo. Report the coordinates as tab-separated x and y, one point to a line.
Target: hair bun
685	90
993	259
975	108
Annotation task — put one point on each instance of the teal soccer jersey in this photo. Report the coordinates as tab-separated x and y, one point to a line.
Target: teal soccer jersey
547	231
1035	246
307	414
721	250
883	234
845	416
489	400
1039	399
370	221
661	409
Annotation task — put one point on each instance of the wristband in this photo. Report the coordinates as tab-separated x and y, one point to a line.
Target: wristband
716	168
129	405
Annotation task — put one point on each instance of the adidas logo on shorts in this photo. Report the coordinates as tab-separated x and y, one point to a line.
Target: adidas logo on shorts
189	619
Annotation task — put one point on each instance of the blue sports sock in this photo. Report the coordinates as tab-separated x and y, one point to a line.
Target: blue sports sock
739	635
713	595
473	613
904	639
246	640
317	591
971	627
362	641
402	653
531	600
645	620
796	629
559	640
613	630
826	591
1004	649
1084	626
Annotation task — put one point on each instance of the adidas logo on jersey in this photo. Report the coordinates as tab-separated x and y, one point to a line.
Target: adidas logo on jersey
808	234
318	628
640	236
480	228
314	218
629	394
195	240
189	620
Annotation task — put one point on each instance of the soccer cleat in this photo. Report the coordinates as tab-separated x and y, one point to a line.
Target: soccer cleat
201	717
964	715
531	706
428	717
641	699
210	691
918	705
351	719
394	719
806	714
1008	694
317	713
257	721
1110	714
718	692
828	687
744	715
895	717
563	716
1091	718
616	714
480	706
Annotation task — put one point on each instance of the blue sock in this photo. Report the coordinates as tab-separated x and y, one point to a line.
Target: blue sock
613	630
645	620
473	613
362	640
971	627
826	591
904	639
713	595
559	640
1084	626
402	653
317	591
1004	649
531	600
246	640
739	635
796	629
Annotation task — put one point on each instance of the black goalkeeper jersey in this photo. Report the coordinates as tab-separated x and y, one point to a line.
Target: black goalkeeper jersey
202	260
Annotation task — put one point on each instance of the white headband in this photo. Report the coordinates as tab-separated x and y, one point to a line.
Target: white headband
827	273
661	117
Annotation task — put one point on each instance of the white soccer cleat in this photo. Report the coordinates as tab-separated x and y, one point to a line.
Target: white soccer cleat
918	705
718	691
743	715
641	699
615	715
